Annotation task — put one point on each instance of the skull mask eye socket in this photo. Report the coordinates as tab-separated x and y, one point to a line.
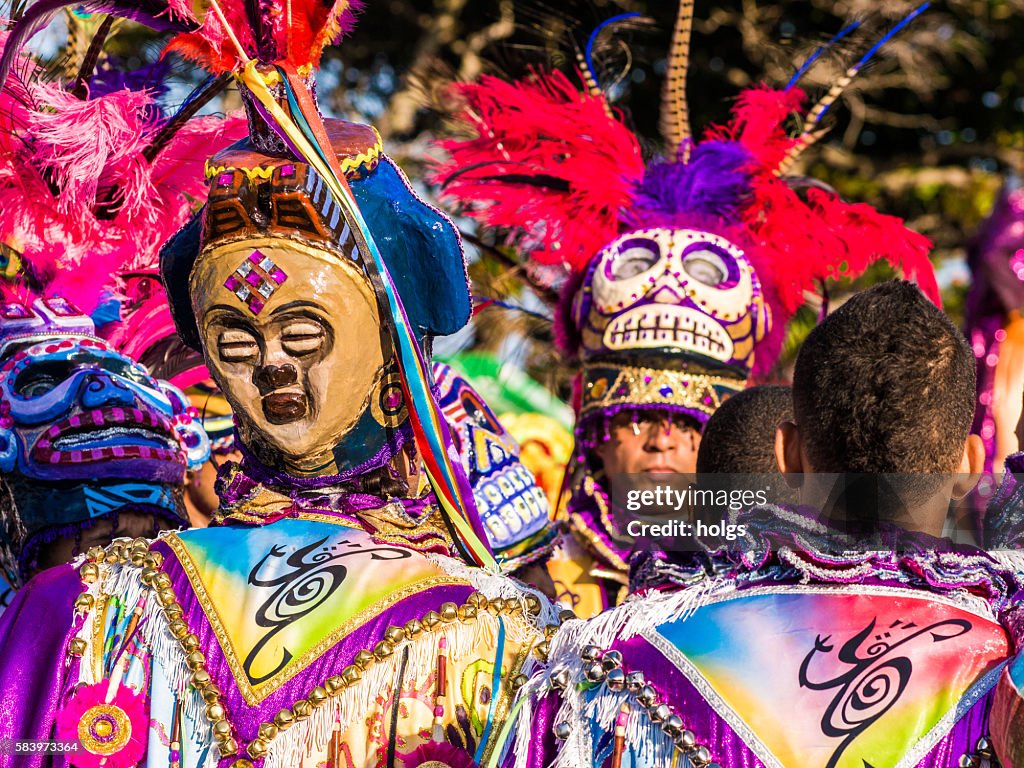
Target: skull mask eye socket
634	258
711	266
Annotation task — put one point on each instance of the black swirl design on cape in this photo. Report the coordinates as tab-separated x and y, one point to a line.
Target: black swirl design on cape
310	576
876	675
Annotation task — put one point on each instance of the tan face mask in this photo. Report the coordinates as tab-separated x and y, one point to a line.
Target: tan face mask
292	337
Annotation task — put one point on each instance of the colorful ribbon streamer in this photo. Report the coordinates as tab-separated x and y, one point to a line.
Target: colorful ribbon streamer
304	133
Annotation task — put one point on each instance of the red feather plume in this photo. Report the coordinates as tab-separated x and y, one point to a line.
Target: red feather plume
804	238
299	31
547	162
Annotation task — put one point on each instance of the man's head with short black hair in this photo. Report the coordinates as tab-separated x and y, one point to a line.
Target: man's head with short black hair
885	386
739	441
739	438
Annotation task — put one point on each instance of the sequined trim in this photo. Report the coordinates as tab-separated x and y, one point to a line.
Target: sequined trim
578	525
654	386
350	166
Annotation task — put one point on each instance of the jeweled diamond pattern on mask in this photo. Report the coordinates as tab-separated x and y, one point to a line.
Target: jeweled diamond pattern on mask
255	280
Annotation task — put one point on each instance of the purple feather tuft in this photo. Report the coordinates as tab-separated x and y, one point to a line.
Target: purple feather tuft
714	185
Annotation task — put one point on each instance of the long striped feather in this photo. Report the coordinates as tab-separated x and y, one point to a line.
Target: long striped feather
675	109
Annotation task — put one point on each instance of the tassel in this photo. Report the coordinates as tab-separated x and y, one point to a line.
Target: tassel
620	736
440	691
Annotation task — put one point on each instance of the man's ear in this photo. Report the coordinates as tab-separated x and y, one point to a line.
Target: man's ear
789	453
972	464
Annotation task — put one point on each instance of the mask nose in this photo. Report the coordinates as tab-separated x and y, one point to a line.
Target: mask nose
667	290
271	377
103	390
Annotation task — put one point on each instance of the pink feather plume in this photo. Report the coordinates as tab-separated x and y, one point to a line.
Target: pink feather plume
803	238
81	203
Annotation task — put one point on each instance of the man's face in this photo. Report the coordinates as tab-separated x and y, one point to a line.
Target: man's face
650	443
292	337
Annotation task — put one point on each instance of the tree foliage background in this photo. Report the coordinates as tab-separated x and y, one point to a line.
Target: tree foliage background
930	131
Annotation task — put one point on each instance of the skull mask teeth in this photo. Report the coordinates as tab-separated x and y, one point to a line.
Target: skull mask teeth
672	292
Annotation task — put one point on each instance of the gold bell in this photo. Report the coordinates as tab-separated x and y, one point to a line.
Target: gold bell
284	719
317	696
413	628
394	635
166	596
84	603
268	731
301	709
363	659
242	763
431	619
257	748
566	615
542	650
533	604
228	747
76	647
200	678
172	612
211	694
215	712
189	642
478	599
96	554
449	612
153	560
161	580
222	730
89	572
351	675
334	685
467	612
178	628
383	649
195	660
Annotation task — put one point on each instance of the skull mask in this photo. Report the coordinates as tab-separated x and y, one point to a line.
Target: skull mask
668	318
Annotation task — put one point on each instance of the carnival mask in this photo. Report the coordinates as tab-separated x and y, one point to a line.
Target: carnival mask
292	335
673	292
74	408
512	508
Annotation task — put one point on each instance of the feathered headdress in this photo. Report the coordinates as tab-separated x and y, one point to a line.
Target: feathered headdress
271	48
553	164
93	183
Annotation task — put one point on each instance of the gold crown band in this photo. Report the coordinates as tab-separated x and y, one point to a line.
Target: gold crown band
607	386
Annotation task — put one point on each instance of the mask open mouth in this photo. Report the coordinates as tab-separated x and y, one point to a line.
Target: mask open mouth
656	326
109	434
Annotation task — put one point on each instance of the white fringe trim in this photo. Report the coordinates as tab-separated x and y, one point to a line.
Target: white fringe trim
354	703
124	581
